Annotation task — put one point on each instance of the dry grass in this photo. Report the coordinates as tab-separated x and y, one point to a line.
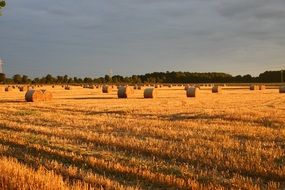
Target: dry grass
86	139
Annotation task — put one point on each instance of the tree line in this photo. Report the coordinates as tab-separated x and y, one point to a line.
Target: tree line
155	77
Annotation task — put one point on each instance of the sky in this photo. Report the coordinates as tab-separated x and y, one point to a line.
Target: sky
87	38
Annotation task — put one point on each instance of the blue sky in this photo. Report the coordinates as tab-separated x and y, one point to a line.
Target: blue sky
88	38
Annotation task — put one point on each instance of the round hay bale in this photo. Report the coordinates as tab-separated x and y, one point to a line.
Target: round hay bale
67	88
156	86
23	88
47	95
192	92
262	87
217	89
150	93
91	87
125	92
34	96
197	86
170	86
106	89
136	87
186	87
282	89
254	87
9	89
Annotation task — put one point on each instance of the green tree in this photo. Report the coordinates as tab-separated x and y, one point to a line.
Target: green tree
25	79
65	79
2	77
136	79
49	79
87	80
75	79
70	80
107	78
36	80
59	79
17	79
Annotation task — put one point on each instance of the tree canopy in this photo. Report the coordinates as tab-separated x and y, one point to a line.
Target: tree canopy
156	77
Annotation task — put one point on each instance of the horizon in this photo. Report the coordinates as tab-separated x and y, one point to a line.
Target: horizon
96	77
138	37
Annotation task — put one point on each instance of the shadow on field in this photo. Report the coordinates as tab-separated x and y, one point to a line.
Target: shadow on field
20	152
265	122
89	98
12	101
105	112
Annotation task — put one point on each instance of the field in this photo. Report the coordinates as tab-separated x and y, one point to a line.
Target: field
84	139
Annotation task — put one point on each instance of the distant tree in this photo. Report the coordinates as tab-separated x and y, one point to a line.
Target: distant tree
49	79
156	77
136	79
99	80
70	80
75	79
87	80
247	78
237	78
270	76
151	80
43	80
107	78
25	79
65	79
17	79
79	80
36	80
59	79
117	79
2	77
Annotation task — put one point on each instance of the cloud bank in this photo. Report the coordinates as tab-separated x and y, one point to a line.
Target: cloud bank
87	38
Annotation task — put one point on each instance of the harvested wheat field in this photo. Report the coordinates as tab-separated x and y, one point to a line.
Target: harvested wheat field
85	139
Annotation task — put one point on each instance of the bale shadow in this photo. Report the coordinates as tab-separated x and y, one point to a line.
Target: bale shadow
265	122
12	101
88	98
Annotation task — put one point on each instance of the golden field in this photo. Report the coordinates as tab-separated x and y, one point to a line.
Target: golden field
84	139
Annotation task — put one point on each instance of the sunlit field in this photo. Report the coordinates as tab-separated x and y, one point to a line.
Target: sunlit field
84	139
